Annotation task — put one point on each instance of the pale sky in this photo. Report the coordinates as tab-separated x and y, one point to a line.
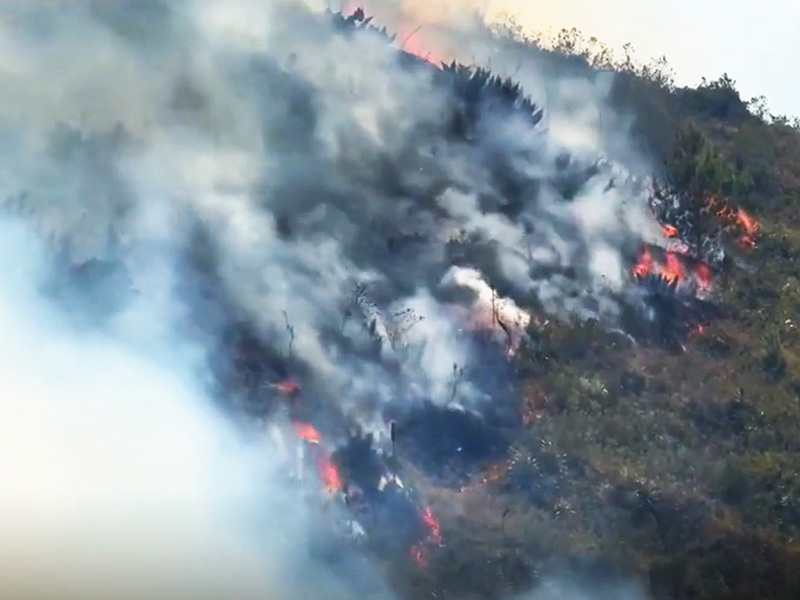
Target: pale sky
754	42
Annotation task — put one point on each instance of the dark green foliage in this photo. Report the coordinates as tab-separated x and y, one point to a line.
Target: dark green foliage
479	90
733	484
717	100
774	363
699	183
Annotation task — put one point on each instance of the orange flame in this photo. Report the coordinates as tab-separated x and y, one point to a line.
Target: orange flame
329	474
736	217
673	269
747	222
420	553
307	432
289	386
670	231
645	265
432	524
702	275
699	330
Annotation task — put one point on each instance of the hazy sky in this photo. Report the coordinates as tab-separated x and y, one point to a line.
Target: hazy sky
754	42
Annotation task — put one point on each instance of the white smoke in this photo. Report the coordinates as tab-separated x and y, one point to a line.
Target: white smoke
124	124
119	478
583	588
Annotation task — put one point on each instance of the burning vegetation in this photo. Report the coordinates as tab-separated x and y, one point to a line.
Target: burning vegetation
458	339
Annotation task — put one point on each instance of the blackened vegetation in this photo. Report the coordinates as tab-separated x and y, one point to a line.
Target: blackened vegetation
389	512
663	315
449	444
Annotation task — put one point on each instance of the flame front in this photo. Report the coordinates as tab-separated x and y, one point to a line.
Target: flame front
673	271
419	554
432	524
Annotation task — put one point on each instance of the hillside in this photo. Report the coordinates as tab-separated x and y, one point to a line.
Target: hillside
291	308
678	465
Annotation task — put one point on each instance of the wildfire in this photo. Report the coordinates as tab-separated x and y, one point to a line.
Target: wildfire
289	387
419	554
491	313
747	222
329	473
670	231
432	524
645	266
736	217
702	275
307	432
673	270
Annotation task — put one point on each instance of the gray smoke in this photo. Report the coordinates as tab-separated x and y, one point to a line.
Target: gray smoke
584	588
119	478
314	162
323	183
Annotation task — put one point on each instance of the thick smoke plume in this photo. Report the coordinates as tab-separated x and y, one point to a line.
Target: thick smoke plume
177	173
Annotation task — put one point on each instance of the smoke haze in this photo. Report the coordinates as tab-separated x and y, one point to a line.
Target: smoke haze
139	139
